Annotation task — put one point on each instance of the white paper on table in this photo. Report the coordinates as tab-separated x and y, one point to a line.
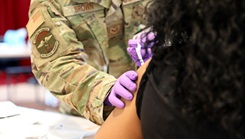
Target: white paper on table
8	109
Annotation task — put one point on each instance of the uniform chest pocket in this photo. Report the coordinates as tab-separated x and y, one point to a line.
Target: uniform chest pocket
86	19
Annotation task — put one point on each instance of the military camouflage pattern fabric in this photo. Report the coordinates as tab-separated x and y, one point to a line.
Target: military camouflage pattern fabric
79	48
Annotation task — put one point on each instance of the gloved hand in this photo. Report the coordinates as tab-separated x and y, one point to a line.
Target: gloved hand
144	52
123	87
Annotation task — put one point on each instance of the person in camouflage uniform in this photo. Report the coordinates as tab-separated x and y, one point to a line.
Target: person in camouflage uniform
79	49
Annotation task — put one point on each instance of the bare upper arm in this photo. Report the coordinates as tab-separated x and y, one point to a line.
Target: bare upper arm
123	123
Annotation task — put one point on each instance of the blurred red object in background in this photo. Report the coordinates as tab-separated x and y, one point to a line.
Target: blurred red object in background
13	14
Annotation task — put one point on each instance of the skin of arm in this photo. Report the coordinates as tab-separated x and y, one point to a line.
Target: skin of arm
123	123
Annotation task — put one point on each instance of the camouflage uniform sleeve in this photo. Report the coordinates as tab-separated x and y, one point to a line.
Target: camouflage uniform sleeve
59	62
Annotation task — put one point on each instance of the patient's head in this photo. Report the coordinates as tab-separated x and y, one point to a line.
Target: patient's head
204	40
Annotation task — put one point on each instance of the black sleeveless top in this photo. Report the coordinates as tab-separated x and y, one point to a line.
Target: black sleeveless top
157	113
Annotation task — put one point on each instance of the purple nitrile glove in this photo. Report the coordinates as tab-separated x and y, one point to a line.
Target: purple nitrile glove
123	87
137	44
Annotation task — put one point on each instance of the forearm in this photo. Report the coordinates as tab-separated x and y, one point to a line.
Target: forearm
77	84
59	62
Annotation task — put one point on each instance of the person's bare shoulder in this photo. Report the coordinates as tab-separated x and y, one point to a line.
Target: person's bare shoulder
123	123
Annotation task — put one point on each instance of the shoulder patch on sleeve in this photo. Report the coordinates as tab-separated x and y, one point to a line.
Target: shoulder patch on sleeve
45	42
35	21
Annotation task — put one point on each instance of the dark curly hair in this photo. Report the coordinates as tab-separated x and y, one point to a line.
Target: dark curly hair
204	40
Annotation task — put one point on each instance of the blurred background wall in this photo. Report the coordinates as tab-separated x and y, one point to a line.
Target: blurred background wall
13	14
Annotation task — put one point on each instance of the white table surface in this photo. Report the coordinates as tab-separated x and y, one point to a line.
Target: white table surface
7	51
36	124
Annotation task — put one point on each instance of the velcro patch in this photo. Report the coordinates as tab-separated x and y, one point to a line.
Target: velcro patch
114	30
35	21
81	8
45	42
